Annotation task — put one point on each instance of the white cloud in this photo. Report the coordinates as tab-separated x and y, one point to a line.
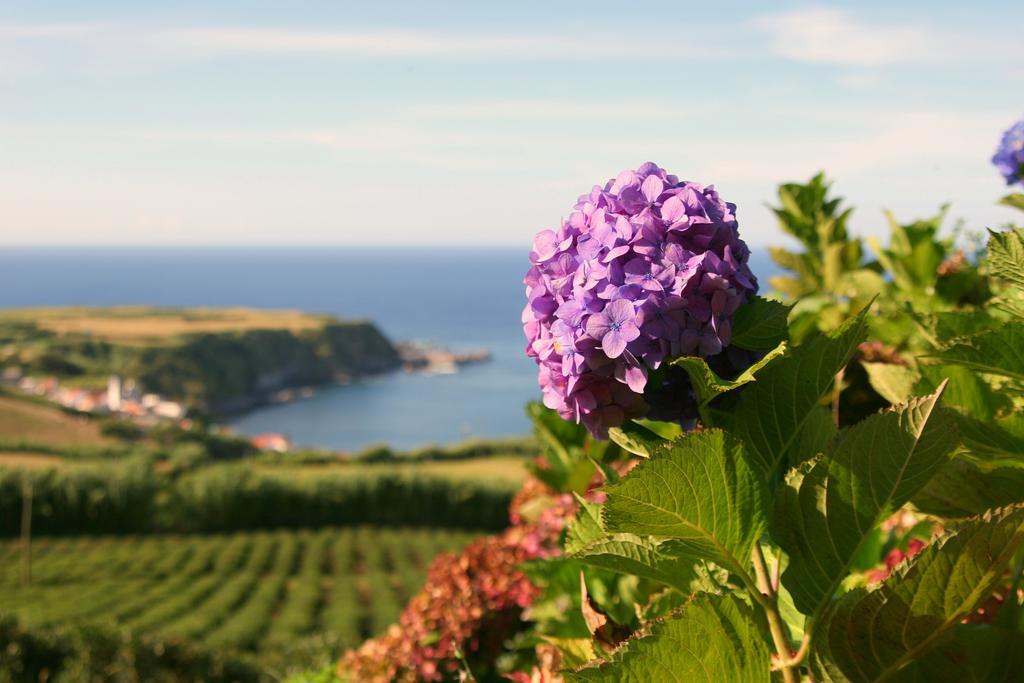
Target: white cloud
111	42
824	35
833	36
816	35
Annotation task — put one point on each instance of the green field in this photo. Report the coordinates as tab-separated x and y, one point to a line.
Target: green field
147	325
257	592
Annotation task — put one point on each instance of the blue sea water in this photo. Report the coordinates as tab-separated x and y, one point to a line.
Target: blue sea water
463	299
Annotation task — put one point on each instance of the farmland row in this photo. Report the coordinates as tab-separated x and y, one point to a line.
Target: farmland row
248	591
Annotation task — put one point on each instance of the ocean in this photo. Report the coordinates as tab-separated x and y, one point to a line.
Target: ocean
459	298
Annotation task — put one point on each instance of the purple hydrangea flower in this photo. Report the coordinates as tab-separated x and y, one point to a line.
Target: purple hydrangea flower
645	268
1009	158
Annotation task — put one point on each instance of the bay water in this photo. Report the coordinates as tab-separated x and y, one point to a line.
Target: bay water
459	298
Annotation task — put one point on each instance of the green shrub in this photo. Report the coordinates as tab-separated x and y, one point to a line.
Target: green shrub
105	498
120	428
232	497
88	654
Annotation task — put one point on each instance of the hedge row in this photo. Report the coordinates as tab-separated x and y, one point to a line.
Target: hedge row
132	498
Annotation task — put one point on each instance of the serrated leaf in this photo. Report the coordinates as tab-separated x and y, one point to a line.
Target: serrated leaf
574	651
587	541
585	528
871	635
830	505
1006	254
996	352
760	325
712	639
701	492
708	385
637	439
962	489
643	557
661	603
894	383
771	412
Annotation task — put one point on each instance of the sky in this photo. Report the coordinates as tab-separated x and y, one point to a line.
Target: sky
479	123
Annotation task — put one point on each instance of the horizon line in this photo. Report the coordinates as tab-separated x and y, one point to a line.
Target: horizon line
525	245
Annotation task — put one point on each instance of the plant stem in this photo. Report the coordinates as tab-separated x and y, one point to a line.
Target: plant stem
837	390
776	572
770	605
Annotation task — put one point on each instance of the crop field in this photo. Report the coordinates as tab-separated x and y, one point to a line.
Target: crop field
253	592
130	324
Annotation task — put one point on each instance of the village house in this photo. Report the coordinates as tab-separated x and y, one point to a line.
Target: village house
271	441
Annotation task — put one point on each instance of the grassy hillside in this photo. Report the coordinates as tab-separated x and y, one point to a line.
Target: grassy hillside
29	421
218	360
255	592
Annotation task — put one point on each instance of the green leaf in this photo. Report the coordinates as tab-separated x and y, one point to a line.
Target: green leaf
861	285
637	439
1014	199
994	443
871	635
554	432
587	541
814	436
830	505
962	489
790	286
771	412
1006	254
760	325
997	352
701	492
706	382
712	639
643	557
574	651
585	528
562	441
670	431
965	389
977	653
894	383
950	324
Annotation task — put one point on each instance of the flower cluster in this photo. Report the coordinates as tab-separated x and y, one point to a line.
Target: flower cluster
1009	157
644	268
472	601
